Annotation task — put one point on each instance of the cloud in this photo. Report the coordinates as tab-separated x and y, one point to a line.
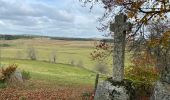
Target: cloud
42	16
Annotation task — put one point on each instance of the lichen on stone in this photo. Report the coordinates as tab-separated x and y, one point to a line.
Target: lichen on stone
128	84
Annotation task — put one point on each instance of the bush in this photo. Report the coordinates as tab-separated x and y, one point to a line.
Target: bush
25	75
72	62
53	56
8	71
22	98
5	45
87	96
143	73
2	85
143	79
2	77
32	54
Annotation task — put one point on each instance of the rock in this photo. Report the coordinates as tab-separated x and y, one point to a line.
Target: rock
15	78
166	76
114	91
161	91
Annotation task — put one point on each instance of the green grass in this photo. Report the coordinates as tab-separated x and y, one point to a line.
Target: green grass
59	74
66	51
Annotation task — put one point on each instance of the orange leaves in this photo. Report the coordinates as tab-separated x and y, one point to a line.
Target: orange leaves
61	93
143	60
9	70
119	1
103	49
166	39
136	5
143	68
131	14
144	20
154	42
163	41
155	11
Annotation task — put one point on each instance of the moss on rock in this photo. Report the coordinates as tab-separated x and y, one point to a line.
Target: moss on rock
128	84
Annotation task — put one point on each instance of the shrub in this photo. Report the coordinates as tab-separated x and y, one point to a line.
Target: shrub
72	62
2	77
143	78
9	70
143	73
22	98
32	54
2	85
25	75
87	96
53	56
5	45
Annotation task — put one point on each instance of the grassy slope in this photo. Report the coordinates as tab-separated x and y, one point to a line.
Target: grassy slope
65	50
58	74
55	73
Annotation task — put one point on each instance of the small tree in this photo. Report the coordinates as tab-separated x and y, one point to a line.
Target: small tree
53	56
31	53
72	62
80	63
101	68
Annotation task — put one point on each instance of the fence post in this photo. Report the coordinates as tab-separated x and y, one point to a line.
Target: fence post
96	81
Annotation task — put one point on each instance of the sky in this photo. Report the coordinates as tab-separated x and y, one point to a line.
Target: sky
61	18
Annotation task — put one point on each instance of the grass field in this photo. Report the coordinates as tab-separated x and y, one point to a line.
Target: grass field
66	51
61	80
58	74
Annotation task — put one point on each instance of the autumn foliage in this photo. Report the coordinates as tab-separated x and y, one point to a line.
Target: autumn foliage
163	41
144	74
6	72
102	50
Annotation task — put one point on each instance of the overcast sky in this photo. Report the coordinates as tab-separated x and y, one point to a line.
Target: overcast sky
64	18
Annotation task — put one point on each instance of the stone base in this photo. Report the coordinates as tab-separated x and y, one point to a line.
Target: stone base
161	91
109	90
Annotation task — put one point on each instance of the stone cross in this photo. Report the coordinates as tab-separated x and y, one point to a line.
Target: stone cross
119	28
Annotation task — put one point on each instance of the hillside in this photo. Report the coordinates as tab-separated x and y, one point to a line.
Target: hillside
58	74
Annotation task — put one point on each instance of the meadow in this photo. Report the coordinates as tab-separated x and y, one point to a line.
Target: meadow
66	51
65	73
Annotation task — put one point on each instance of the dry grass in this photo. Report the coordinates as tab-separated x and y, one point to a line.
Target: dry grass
48	42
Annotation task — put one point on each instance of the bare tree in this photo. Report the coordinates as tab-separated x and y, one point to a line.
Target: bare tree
31	53
53	56
72	62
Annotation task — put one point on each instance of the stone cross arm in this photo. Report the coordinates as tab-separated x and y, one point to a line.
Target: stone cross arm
120	24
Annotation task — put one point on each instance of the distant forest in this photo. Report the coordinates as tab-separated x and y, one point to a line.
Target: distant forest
14	37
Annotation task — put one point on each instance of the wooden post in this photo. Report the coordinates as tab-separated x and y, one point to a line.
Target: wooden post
96	81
